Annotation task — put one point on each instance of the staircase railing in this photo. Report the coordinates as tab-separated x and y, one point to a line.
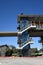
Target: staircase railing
27	41
25	29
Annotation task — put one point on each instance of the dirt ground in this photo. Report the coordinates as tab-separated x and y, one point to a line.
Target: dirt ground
21	60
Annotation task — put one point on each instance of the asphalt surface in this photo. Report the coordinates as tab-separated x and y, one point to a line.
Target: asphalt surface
21	61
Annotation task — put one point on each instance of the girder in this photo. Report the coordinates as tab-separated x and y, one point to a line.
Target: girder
35	33
8	34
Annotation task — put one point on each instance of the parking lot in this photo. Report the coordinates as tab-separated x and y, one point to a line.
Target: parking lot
21	60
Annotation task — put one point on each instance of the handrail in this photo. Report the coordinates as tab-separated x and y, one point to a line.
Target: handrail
27	29
27	41
30	42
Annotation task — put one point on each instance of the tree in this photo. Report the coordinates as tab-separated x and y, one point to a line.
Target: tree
33	51
9	52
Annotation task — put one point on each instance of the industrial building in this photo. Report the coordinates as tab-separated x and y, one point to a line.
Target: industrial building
28	26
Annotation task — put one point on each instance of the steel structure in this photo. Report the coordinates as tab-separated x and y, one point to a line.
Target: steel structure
29	26
8	34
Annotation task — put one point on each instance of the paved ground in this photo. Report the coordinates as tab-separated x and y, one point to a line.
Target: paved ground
21	61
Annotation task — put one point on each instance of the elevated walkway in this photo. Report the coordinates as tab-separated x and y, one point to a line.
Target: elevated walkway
8	34
32	33
35	33
33	24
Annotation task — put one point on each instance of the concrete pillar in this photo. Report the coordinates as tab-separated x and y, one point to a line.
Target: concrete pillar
41	41
42	45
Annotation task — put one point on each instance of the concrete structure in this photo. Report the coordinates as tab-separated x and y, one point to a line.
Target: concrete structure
29	26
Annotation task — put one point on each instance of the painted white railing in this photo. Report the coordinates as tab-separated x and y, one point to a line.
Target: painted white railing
29	27
30	42
39	27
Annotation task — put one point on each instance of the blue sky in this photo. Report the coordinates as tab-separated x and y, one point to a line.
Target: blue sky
9	10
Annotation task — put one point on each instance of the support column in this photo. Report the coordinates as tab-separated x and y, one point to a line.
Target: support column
41	41
42	45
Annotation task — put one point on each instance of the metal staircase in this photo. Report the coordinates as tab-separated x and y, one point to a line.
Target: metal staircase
27	41
25	29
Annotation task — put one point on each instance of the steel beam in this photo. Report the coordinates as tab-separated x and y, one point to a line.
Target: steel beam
8	34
